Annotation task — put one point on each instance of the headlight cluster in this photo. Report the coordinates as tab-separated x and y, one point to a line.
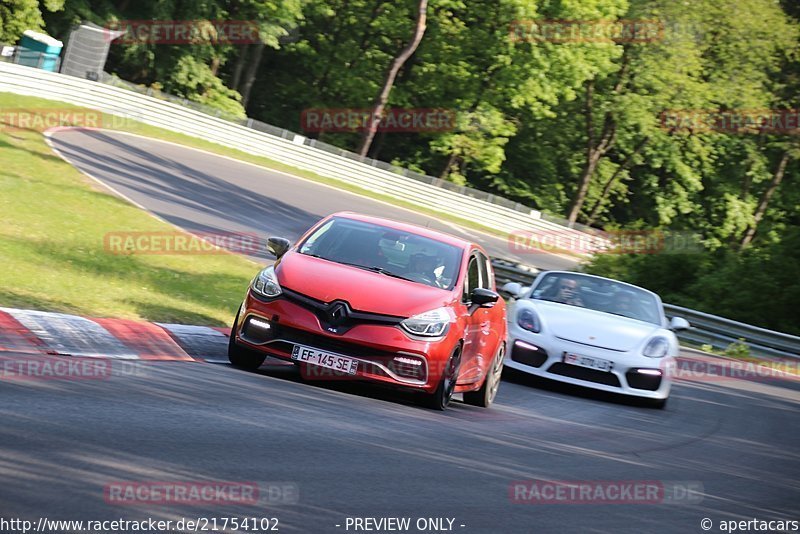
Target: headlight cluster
658	347
266	283
528	320
433	323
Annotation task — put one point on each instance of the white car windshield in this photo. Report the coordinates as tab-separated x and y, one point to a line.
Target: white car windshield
600	294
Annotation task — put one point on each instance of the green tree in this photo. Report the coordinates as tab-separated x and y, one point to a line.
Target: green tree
16	16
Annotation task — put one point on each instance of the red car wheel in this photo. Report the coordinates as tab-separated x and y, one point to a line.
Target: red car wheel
440	399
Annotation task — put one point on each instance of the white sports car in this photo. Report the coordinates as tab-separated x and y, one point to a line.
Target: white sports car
595	332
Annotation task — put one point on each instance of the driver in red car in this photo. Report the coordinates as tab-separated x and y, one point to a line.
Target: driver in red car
423	265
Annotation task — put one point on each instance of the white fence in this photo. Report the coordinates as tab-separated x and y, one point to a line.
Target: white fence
296	152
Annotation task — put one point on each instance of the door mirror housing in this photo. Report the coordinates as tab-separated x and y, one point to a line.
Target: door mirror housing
484	298
678	323
278	246
512	289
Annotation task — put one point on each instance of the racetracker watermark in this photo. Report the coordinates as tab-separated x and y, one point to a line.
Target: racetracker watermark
392	121
179	32
737	121
587	31
607	242
718	370
180	243
194	493
46	367
605	492
40	119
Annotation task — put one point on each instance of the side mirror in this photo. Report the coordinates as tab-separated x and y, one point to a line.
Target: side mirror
513	289
483	297
678	323
278	246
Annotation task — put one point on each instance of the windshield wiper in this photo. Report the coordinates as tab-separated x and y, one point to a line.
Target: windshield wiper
381	270
374	268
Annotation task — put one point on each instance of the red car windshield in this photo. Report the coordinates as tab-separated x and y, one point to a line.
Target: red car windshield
386	250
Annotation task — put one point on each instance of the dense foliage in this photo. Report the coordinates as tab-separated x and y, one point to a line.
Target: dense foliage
574	128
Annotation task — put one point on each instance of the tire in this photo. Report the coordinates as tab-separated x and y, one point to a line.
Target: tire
484	397
241	357
440	399
658	404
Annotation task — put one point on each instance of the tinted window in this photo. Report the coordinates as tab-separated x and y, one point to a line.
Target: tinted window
473	279
408	255
485	271
598	294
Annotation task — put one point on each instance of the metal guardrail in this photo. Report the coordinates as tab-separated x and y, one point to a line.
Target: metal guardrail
719	332
706	329
485	196
510	271
298	151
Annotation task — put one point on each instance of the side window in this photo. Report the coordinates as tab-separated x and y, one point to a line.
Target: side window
473	279
485	271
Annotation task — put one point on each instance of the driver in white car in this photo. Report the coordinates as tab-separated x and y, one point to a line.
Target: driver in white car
568	292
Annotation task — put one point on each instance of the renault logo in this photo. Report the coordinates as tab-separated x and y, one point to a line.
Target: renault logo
337	314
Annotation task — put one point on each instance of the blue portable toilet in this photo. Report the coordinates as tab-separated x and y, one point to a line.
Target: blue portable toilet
39	50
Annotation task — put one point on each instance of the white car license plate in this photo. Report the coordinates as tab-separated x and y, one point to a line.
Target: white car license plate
585	361
324	359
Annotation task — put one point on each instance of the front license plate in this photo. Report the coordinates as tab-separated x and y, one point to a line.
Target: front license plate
585	361
324	359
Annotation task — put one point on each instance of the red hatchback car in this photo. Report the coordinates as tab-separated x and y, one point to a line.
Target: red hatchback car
373	299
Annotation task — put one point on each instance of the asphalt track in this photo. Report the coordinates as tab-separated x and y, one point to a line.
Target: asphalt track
202	192
356	451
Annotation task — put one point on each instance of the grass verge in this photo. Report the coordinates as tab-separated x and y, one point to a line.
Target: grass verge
52	251
54	219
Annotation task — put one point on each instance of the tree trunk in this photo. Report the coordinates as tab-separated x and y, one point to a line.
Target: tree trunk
383	96
594	152
763	203
236	80
449	165
377	146
610	182
252	71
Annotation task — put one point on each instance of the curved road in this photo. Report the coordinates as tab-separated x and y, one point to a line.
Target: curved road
203	192
355	451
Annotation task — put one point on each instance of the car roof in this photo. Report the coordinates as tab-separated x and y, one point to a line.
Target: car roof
407	227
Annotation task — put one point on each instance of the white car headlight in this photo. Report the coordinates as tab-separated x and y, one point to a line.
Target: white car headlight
266	283
658	347
528	320
433	323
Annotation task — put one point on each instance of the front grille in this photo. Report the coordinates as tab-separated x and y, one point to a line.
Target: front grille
348	318
525	354
582	373
643	381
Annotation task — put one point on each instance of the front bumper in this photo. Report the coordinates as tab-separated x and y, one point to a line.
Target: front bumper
631	374
384	353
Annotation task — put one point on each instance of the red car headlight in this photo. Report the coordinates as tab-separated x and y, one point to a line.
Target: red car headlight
433	323
266	283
